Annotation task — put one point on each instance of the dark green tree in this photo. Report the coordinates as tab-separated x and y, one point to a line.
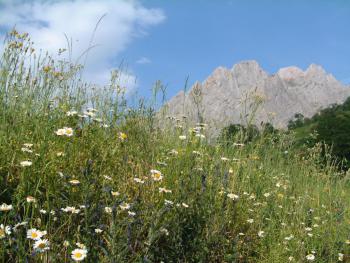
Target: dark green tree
333	128
297	121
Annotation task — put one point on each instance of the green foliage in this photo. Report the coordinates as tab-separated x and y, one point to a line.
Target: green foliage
238	133
259	202
298	121
331	126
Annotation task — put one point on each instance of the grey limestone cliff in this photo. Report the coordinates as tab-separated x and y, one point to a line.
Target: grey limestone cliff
247	94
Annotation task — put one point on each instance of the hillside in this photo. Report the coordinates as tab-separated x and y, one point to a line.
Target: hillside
86	178
330	126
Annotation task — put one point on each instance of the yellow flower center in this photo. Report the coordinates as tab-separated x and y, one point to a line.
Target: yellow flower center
42	245
78	255
34	235
122	136
2	233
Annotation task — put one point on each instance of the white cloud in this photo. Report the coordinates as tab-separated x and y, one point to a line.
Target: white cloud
48	21
125	78
143	60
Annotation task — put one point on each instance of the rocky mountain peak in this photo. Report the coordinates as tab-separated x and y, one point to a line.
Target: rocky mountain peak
247	64
230	96
249	67
289	73
314	69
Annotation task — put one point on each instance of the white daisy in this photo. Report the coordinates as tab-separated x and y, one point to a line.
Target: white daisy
71	209
26	163
261	233
60	132
122	136
185	205
199	135
182	137
164	190
30	199
71	113
4	230
168	202
164	231
267	195
115	193
4	207
340	256
41	245
130	213
233	196
35	234
89	114
156	175
24	223
124	206
310	257
27	150
74	182
108	210
79	254
65	131
138	180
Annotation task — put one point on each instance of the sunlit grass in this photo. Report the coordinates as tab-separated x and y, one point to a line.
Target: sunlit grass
86	178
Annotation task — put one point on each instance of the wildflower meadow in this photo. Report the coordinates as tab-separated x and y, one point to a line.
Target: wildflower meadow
86	177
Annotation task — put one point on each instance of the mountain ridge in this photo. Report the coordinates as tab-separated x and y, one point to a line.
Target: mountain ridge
246	93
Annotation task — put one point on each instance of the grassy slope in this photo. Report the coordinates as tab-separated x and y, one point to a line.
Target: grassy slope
286	206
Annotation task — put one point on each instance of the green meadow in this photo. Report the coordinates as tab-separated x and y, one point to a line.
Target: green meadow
86	177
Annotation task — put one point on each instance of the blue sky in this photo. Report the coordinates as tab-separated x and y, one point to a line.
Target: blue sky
198	36
172	39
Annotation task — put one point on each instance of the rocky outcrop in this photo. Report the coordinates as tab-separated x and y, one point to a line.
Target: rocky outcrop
246	94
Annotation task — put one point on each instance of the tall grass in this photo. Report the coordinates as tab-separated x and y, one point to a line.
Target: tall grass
122	188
